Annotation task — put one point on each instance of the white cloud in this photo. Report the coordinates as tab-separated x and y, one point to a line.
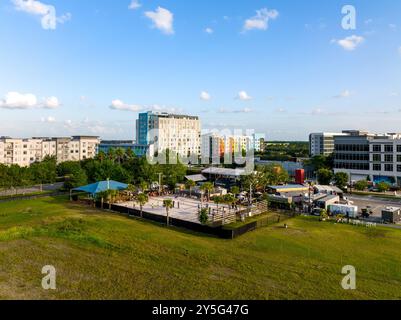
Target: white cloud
51	103
64	18
120	105
47	12
344	94
242	95
261	20
205	96
209	30
162	19
49	119
16	100
394	94
281	110
135	4
244	110
349	43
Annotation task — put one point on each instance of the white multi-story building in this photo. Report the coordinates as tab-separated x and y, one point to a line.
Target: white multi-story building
24	152
364	155
178	133
322	144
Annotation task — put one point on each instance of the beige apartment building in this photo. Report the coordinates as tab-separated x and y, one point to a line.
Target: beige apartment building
24	152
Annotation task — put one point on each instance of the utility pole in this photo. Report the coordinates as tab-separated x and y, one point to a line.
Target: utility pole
160	184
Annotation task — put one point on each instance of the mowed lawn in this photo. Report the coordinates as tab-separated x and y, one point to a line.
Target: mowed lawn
100	255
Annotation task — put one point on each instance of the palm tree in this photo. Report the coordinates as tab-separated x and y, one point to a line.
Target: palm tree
111	154
144	186
207	187
235	191
217	200
132	189
142	199
101	156
111	194
190	184
229	199
168	204
129	154
101	195
120	155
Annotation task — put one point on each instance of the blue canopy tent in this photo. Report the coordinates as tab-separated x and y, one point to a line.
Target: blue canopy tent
101	186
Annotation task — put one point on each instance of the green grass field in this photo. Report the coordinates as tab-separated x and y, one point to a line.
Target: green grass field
104	256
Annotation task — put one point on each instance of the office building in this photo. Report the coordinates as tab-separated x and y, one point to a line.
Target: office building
177	133
364	155
322	144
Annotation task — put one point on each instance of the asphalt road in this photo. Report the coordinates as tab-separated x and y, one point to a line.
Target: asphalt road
377	204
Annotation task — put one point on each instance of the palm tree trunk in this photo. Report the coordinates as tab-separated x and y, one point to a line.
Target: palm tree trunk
168	218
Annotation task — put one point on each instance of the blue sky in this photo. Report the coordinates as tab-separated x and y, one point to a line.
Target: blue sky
284	68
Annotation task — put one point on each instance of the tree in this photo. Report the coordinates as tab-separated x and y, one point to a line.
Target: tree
217	200
324	176
203	216
101	196
383	186
120	153
341	179
144	186
76	179
323	215
168	204
235	190
142	199
207	187
132	190
320	162
190	184
229	199
111	154
111	195
361	185
101	156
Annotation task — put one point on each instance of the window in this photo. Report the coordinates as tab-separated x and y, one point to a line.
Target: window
388	167
388	148
377	167
377	157
399	148
377	148
399	158
388	158
399	168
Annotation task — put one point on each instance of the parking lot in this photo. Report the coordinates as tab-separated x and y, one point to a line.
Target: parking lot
376	204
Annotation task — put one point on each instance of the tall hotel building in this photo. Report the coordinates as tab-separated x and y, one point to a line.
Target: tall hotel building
177	133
